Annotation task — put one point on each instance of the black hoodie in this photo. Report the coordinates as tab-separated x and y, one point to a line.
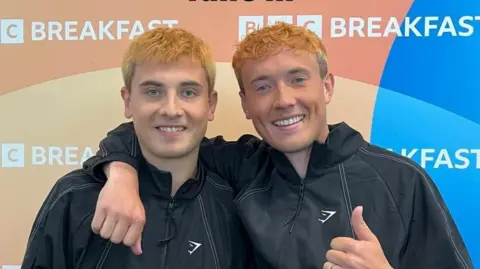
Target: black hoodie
198	228
291	221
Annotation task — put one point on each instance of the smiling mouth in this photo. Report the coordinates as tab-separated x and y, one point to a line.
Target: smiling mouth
171	129
289	121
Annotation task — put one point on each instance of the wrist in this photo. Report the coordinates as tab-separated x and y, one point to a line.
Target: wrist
120	171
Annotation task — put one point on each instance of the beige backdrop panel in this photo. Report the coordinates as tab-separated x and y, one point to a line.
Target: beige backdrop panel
79	110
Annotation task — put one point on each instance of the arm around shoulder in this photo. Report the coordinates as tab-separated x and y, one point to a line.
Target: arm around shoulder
120	145
231	160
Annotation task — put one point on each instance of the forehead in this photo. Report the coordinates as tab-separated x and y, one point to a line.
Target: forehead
279	63
170	73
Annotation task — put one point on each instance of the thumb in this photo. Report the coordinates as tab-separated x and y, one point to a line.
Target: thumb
360	227
137	247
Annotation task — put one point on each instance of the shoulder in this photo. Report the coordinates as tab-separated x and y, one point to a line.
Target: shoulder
76	186
74	181
243	141
71	199
390	165
247	145
217	184
403	178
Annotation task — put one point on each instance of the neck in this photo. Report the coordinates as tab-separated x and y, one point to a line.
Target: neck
300	159
182	169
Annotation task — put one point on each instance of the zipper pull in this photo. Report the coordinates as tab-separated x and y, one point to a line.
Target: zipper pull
302	187
170	206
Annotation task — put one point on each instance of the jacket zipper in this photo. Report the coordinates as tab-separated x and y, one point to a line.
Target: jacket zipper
292	221
299	205
171	203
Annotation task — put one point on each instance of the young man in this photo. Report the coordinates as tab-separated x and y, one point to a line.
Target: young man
169	77
301	190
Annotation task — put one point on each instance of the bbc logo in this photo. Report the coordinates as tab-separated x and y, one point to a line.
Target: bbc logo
247	24
11	31
13	155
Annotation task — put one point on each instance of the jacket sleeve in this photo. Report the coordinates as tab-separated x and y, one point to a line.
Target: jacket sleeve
433	240
237	162
46	246
120	144
228	159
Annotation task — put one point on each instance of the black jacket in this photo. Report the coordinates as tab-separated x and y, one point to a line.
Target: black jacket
197	228
291	221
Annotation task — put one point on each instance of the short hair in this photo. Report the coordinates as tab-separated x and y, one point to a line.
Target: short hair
264	42
167	45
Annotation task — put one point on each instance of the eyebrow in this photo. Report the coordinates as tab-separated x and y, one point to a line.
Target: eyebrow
185	83
297	70
260	78
292	71
191	83
152	83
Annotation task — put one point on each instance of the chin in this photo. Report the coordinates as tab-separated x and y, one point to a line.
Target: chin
290	146
176	153
173	154
173	150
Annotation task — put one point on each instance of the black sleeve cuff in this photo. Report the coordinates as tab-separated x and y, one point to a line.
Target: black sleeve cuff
94	166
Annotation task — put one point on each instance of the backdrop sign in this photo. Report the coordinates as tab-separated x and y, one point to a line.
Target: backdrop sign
406	72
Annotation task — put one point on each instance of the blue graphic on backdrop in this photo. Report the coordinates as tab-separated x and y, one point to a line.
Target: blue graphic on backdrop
428	107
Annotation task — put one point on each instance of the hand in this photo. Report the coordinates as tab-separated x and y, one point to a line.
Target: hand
363	253
120	215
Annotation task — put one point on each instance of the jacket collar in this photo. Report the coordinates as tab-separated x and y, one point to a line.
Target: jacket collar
159	183
342	142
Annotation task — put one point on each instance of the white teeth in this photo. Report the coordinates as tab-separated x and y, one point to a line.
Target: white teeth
171	129
289	121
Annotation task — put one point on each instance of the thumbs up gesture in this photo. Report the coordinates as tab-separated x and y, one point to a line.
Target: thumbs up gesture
363	253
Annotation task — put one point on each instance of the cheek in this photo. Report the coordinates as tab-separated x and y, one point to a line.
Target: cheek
197	112
144	110
258	106
199	116
314	102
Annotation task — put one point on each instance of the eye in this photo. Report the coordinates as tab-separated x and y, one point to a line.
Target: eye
262	88
153	92
299	80
189	93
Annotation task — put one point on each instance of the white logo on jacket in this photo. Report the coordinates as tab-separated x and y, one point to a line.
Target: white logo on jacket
326	215
194	246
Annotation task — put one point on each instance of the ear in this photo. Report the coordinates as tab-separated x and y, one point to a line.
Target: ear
212	105
126	100
328	87
244	104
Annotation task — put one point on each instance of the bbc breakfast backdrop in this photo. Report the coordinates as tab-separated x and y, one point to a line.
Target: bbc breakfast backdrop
406	77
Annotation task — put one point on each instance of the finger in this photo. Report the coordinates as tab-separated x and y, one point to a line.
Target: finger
344	244
119	232
133	234
345	260
361	229
329	265
108	227
339	258
98	220
137	247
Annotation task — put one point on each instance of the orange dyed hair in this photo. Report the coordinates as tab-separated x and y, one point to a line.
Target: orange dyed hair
266	41
167	45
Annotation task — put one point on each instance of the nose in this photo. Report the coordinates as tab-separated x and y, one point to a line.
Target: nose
284	97
171	106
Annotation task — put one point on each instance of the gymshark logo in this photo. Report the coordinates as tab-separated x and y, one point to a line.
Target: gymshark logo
193	245
325	215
